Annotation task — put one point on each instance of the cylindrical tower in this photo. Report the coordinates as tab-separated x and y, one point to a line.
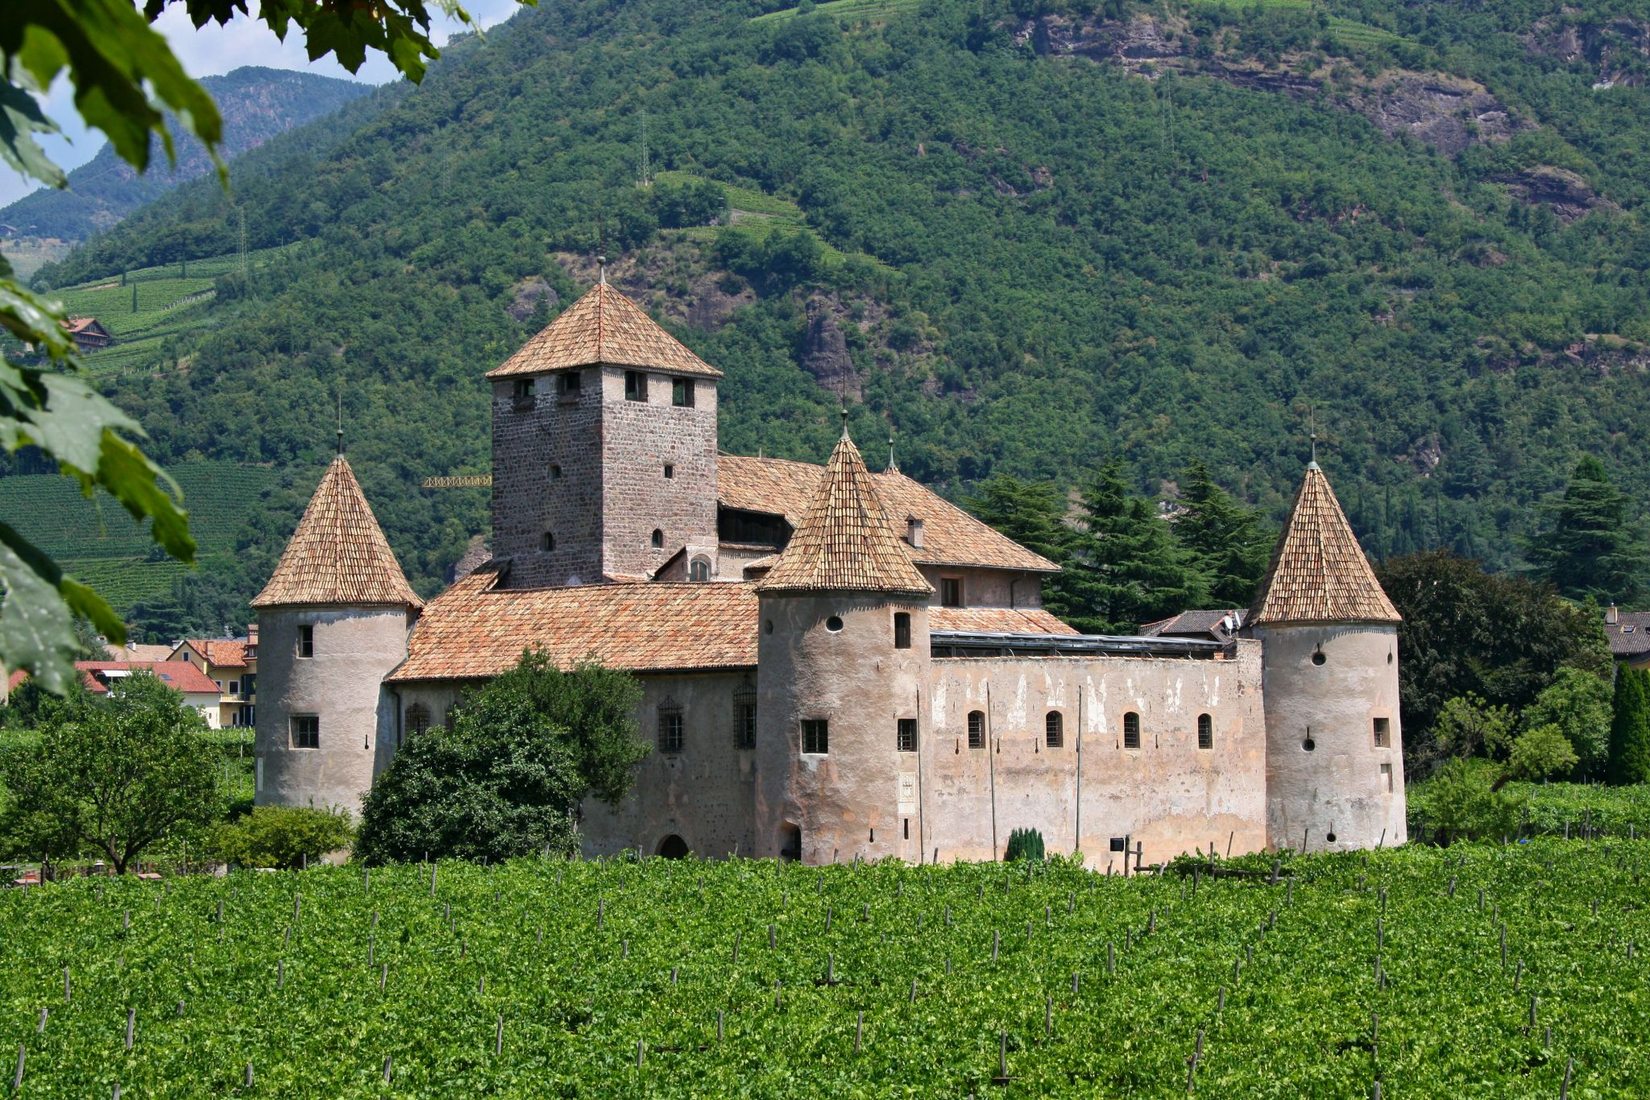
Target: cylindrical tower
332	623
843	665
1329	635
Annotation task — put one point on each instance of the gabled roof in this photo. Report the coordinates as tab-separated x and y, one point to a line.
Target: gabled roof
1219	625
1629	635
1319	573
83	324
177	675
472	631
338	554
845	542
222	652
780	487
603	327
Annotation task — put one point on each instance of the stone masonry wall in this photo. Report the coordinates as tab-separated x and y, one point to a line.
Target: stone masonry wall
528	500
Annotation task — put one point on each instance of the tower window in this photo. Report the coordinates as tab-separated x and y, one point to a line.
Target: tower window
1383	733
698	570
744	722
907	733
816	735
902	630
306	731
976	729
951	592
418	719
1317	656
570	383
635	385
670	729
1131	730
658	539
834	624
547	541
1386	774
681	392
670	471
1054	729
1205	732
522	393
306	640
555	472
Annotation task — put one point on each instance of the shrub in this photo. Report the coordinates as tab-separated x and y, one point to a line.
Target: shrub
1024	844
1540	752
282	836
1464	801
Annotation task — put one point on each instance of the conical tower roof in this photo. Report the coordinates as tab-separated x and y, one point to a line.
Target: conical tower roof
603	327
338	554
845	542
1319	573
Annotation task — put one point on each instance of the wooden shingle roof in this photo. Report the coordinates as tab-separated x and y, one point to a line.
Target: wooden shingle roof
780	487
603	327
845	542
1319	573
474	631
338	554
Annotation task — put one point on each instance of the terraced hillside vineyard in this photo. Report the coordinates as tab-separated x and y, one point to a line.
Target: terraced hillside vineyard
1469	972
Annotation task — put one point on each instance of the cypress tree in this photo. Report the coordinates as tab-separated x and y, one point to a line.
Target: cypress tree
1630	727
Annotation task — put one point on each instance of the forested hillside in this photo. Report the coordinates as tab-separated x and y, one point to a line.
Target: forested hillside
1028	237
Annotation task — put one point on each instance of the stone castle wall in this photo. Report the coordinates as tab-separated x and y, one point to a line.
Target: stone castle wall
532	442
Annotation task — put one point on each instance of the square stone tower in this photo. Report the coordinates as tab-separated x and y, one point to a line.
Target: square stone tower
604	450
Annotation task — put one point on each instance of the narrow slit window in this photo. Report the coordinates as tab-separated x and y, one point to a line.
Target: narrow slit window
816	735
1131	730
744	723
1054	729
547	542
907	734
1205	732
976	729
902	630
1386	774
657	539
306	640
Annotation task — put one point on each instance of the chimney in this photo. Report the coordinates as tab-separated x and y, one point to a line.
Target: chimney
913	532
252	633
1612	615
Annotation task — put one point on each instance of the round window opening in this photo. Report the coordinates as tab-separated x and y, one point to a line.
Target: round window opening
767	626
1318	658
833	624
1309	744
1330	837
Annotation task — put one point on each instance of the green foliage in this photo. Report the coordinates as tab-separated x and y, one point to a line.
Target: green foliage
1467	726
1541	751
1466	800
282	836
507	778
1630	727
1575	809
1136	572
1592	549
112	776
1024	844
1225	541
1577	705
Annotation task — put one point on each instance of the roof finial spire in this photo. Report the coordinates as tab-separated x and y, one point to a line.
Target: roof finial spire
845	422
601	270
340	396
893	467
1312	420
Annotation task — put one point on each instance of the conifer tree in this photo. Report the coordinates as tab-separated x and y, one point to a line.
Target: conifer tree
1223	539
1630	727
1591	549
1033	514
1138	572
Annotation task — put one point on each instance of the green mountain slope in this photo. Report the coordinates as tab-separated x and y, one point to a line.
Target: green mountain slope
1028	240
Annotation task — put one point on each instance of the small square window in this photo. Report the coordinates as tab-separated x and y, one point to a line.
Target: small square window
522	393
902	630
234	687
635	385
1119	844
555	472
570	383
306	731
1383	733
306	640
681	392
951	592
670	729
816	735
907	734
976	729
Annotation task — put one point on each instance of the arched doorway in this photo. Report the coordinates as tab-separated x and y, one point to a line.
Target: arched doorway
790	841
673	847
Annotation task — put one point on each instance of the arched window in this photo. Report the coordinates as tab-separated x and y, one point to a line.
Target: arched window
976	729
1054	729
1205	732
658	539
1131	730
547	542
698	570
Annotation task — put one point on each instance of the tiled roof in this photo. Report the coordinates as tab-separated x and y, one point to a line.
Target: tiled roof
995	620
845	542
1193	624
471	631
338	554
1319	573
603	327
178	675
1629	635
222	652
80	324
138	651
780	487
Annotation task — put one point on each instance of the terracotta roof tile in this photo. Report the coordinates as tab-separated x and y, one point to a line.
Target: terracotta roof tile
1319	573
996	620
223	652
780	487
845	542
338	554
178	675
473	632
603	327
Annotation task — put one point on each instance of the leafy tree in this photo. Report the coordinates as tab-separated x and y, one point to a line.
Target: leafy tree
507	778
1467	726
1466	800
1136	570
1541	751
1630	727
1577	704
1224	540
282	836
1591	548
114	775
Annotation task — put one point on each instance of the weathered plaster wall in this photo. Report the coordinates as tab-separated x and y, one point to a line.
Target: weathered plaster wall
354	650
987	587
1338	787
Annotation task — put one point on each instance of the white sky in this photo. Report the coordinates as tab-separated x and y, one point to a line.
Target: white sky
214	50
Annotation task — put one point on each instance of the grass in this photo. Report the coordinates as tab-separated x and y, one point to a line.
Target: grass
855	11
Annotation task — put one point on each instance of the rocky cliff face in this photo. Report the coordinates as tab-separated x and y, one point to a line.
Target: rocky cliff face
1616	50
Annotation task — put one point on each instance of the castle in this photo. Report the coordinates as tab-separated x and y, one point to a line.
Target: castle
834	662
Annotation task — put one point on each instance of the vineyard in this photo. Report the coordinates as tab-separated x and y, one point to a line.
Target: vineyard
1485	971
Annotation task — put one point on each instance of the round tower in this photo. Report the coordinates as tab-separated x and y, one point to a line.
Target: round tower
1329	635
332	623
843	660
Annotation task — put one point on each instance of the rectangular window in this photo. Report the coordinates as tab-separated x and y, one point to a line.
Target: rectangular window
306	731
1383	733
249	685
1386	774
816	735
1119	844
635	385
1131	730
306	641
976	729
522	393
234	687
902	630
570	383
670	729
951	592
1205	732
907	735
681	392
1054	729
744	724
